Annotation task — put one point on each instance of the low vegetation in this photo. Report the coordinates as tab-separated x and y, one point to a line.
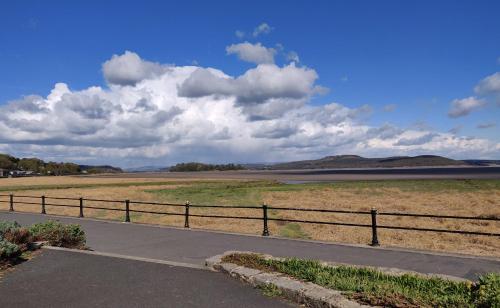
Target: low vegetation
58	234
373	287
193	166
16	242
38	166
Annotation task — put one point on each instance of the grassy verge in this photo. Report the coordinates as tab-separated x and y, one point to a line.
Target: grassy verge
376	288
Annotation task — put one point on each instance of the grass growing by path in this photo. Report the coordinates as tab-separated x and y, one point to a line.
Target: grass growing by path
376	288
293	230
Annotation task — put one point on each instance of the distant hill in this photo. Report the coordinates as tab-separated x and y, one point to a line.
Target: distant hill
99	169
354	161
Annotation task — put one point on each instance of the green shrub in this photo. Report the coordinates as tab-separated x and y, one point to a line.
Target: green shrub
7	226
39	230
57	234
9	250
487	292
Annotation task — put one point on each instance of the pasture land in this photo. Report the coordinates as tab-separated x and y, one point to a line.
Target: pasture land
440	197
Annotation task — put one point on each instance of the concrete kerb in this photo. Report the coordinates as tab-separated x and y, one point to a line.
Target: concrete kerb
119	256
306	293
309	294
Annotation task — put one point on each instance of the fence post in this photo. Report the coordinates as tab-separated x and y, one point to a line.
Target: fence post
81	208
374	228
265	232
127	214
43	205
186	216
11	207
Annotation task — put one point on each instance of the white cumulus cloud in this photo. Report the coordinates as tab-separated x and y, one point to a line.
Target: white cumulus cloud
462	107
489	85
263	28
154	113
253	53
129	68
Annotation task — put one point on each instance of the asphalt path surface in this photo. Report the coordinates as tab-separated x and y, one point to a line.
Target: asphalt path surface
71	279
325	175
194	246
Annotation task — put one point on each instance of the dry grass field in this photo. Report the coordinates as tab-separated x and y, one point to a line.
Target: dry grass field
443	197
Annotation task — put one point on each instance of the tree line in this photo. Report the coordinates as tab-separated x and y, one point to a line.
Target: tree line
194	166
38	166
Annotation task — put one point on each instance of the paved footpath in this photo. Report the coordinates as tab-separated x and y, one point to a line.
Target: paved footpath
194	246
72	279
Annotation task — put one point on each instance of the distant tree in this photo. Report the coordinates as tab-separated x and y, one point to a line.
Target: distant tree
31	164
8	162
50	168
194	166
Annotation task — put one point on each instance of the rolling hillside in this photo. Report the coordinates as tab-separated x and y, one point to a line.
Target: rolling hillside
354	161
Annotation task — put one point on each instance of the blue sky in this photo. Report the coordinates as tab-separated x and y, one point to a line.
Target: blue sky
415	56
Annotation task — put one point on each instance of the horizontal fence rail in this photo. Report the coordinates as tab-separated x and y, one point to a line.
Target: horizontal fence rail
264	217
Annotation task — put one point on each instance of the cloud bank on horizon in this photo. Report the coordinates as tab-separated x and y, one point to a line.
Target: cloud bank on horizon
159	112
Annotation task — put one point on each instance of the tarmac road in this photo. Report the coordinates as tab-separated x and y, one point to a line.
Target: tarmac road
71	279
194	246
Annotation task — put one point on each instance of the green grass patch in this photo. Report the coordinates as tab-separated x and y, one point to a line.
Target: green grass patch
270	290
376	288
229	193
293	230
251	193
233	193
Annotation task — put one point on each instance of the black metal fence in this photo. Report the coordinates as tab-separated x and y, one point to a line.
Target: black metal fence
263	216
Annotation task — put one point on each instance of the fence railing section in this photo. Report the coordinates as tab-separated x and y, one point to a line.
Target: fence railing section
13	200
